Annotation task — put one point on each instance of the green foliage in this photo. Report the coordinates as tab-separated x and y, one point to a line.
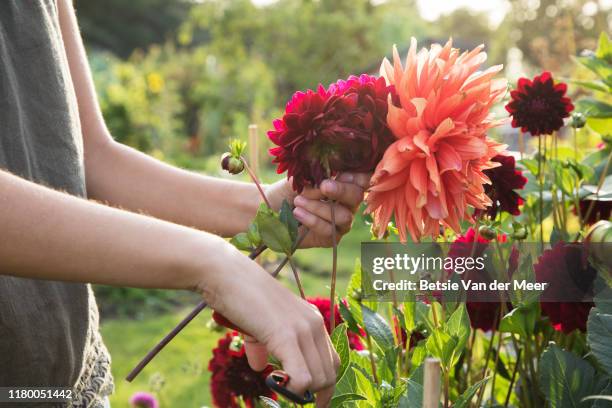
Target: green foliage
600	338
341	344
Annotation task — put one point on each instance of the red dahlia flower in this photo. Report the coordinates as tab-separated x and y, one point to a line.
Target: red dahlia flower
341	128
505	179
539	106
602	210
483	315
233	378
323	304
570	277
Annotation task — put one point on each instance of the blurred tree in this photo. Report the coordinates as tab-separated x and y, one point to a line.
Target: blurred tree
122	26
550	32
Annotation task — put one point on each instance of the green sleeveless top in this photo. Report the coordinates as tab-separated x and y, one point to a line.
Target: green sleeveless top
48	330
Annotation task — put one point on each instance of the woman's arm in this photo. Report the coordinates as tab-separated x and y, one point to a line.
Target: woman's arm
55	236
126	178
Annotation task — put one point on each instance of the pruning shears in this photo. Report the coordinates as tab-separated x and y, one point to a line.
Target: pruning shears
278	380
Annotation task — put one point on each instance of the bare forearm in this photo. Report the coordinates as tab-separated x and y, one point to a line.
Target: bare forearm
124	177
52	235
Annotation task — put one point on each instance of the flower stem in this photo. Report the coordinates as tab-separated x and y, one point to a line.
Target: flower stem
371	355
256	181
296	275
513	379
332	295
541	152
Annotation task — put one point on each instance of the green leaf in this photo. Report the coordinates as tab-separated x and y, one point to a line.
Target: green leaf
253	235
594	85
377	328
419	353
409	316
441	345
413	396
347	384
340	400
269	402
594	108
604	47
520	320
599	337
340	341
365	386
531	165
348	317
464	399
459	325
286	216
241	241
273	232
565	379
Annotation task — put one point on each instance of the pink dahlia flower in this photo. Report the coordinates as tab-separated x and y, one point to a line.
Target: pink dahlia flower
143	399
435	168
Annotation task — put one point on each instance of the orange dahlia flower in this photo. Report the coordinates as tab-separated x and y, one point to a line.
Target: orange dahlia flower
434	170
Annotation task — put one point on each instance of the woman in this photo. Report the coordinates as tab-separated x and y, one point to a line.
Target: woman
56	151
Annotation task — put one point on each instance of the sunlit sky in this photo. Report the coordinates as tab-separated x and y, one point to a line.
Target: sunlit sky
432	9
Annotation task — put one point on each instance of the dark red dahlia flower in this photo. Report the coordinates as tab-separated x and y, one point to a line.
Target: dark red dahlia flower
323	305
505	179
602	210
231	376
341	128
539	106
570	278
483	315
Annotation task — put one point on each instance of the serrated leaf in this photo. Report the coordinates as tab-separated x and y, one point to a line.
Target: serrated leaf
594	108
241	241
599	337
459	325
441	345
419	353
273	232
377	328
565	379
520	320
365	386
339	400
464	399
269	402
340	341
409	316
348	317
253	235
286	216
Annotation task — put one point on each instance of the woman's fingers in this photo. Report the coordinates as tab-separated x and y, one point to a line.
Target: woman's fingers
315	224
257	353
322	209
347	194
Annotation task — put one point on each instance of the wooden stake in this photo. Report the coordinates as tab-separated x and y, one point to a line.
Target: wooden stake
431	383
253	148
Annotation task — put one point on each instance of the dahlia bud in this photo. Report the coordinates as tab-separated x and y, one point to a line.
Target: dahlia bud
598	238
519	232
578	120
487	232
231	164
235	347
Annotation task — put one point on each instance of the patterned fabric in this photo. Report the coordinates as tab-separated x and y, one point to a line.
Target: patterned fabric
96	381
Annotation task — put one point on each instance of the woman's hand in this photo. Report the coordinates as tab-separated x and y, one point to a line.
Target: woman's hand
280	323
313	205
